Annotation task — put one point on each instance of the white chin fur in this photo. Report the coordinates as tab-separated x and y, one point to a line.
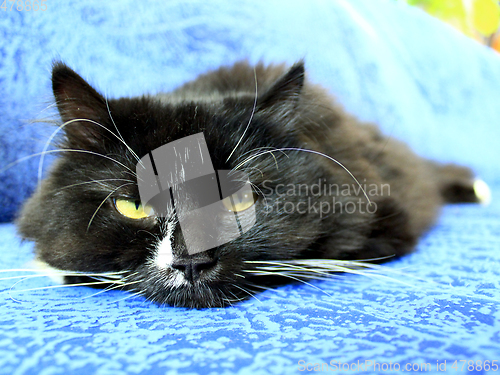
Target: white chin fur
54	274
482	191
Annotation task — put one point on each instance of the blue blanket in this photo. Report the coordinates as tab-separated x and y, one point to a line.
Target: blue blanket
417	78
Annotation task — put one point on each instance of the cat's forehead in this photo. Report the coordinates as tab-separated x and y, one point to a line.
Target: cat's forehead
158	123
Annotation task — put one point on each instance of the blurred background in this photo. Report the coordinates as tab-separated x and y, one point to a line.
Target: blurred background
420	69
478	19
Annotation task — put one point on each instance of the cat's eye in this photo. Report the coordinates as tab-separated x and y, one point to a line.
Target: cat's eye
240	201
133	209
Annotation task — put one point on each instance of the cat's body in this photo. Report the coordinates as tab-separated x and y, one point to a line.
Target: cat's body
291	134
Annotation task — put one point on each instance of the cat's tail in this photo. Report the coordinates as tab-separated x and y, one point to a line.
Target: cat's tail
458	185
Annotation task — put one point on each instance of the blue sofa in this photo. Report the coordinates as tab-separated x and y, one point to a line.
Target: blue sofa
386	62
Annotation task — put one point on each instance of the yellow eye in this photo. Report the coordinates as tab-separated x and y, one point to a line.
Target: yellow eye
133	209
240	201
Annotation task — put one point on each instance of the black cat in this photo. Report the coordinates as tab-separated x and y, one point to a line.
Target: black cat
324	186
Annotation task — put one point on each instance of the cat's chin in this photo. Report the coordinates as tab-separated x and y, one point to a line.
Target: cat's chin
198	295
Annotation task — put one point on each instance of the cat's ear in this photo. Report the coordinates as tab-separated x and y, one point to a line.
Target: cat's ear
286	90
80	106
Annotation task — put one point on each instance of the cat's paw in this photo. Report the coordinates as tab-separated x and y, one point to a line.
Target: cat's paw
482	192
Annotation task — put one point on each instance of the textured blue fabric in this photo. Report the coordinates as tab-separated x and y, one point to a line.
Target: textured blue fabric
418	79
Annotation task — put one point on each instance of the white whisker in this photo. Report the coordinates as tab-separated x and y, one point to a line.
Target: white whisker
130	295
260	153
67	150
112	287
103	201
100	182
251	117
296	279
247	292
121	137
10	291
316	153
311	268
259	149
42	155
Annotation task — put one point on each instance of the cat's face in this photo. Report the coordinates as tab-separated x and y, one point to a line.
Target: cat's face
87	216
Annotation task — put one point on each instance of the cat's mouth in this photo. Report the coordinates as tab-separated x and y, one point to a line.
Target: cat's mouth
192	285
189	272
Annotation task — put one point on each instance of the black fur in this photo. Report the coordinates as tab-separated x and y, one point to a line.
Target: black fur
289	113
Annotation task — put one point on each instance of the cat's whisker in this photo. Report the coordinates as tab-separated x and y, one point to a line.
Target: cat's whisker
327	265
19	270
271	152
258	149
99	182
108	280
246	291
108	288
270	273
313	274
50	275
104	201
49	141
112	287
20	160
251	117
316	153
258	169
24	277
260	153
295	268
48	107
156	237
230	301
256	188
266	288
116	274
311	268
253	285
10	291
235	299
130	295
121	137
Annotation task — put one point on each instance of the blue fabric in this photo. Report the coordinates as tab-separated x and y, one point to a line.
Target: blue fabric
417	78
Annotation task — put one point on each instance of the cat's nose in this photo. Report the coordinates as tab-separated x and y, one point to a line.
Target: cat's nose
193	267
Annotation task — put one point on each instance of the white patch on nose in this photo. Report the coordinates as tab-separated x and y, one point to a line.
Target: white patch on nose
164	258
164	251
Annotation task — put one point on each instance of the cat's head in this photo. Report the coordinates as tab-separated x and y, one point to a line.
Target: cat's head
87	215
